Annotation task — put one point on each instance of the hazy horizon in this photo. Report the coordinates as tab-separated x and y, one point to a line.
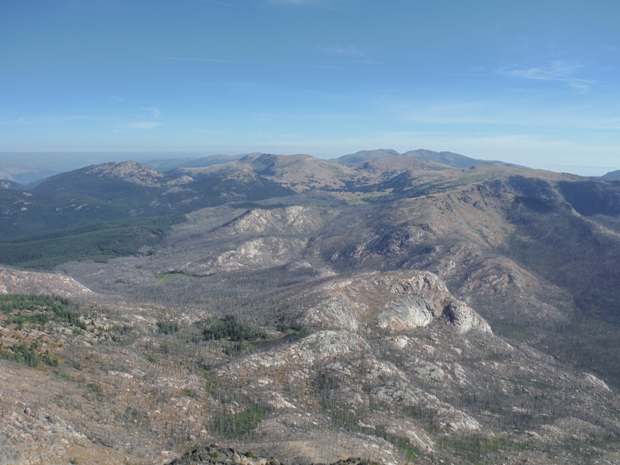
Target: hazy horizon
530	83
75	160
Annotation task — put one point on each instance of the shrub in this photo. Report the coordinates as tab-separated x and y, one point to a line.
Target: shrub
167	327
229	328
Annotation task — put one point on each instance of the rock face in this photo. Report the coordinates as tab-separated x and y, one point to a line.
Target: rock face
215	455
129	171
353	308
395	301
29	282
464	318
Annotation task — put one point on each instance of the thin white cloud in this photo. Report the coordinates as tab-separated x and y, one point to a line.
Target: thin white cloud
243	62
389	89
351	50
116	98
558	71
154	114
221	3
142	125
154	111
293	2
503	112
20	120
580	85
54	119
312	3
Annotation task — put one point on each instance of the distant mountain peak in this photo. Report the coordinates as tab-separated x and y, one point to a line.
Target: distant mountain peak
366	155
129	171
6	184
612	176
447	158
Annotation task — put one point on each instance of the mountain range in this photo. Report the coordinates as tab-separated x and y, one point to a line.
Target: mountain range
423	307
31	174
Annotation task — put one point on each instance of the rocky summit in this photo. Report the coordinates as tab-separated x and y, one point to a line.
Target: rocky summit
402	308
215	455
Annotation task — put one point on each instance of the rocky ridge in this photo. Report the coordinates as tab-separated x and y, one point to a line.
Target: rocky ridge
351	386
129	171
13	281
370	320
216	455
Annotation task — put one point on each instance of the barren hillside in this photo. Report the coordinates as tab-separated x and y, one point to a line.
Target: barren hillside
398	310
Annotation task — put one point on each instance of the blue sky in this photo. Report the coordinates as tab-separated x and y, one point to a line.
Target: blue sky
529	82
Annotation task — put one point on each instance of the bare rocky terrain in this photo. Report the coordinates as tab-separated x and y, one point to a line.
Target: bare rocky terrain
397	311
